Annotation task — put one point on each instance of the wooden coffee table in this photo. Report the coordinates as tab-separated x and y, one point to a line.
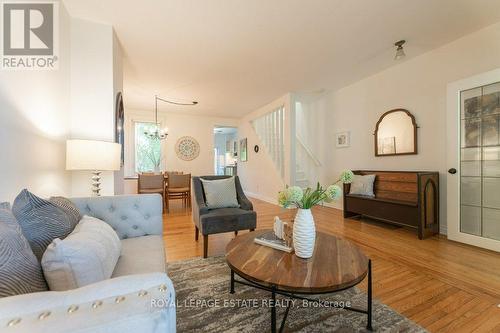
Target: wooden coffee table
336	265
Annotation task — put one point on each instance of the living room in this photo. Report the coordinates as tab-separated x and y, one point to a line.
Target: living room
256	166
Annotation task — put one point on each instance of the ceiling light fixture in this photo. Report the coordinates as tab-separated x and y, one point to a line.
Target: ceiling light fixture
400	52
155	131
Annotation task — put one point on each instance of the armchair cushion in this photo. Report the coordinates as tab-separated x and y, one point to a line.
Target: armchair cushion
220	193
88	255
226	220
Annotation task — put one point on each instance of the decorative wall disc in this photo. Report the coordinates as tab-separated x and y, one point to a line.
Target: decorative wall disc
187	148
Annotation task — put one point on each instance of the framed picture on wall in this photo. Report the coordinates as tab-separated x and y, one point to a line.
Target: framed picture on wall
343	139
243	150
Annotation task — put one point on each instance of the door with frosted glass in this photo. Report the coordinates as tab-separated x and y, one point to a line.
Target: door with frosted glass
479	174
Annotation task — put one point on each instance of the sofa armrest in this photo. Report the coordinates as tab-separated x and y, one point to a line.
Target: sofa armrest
134	303
129	215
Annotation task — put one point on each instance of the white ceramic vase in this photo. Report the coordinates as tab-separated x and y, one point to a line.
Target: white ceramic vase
304	234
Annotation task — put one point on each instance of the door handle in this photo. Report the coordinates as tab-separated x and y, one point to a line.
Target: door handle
452	171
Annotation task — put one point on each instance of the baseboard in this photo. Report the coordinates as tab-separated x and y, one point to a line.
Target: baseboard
270	200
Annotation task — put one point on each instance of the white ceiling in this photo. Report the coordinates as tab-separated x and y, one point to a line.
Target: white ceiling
234	56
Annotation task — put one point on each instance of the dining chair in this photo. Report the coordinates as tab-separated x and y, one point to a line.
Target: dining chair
179	187
151	183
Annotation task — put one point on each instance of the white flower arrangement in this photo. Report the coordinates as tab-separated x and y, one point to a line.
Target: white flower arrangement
294	196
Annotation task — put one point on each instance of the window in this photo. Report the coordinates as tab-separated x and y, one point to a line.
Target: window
147	150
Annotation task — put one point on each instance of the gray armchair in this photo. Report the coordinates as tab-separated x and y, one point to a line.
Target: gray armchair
216	221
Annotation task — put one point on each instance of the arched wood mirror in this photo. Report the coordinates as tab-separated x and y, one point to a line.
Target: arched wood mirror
396	133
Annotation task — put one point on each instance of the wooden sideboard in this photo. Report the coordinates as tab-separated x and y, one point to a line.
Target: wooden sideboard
404	198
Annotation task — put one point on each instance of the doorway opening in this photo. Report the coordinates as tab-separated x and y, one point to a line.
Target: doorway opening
225	150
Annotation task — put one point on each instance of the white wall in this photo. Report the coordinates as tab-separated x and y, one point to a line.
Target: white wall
179	125
92	93
119	183
259	175
34	124
418	85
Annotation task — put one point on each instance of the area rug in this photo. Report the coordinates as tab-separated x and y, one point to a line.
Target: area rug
204	304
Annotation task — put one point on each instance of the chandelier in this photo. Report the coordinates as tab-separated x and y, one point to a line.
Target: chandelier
156	132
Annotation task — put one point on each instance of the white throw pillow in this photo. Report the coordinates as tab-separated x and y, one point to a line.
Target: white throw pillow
363	185
88	255
220	193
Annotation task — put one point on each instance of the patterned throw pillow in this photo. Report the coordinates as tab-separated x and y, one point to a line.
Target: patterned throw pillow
363	185
68	207
20	271
41	221
220	193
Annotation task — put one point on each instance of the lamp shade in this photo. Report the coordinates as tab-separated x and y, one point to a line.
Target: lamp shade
92	155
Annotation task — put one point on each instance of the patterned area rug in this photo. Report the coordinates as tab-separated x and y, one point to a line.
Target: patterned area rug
204	304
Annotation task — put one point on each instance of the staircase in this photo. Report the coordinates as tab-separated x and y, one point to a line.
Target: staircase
301	178
307	165
270	131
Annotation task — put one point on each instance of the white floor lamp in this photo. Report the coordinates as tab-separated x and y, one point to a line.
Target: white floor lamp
94	156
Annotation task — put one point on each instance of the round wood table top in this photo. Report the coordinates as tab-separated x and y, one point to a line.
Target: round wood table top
336	264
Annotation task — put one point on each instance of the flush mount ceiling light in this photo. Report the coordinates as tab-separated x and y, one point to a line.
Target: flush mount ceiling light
400	53
156	132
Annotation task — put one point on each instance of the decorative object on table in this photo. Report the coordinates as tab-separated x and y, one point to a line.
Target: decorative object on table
277	239
304	231
278	227
187	148
120	125
343	139
396	133
156	131
243	150
256	148
270	239
283	230
95	156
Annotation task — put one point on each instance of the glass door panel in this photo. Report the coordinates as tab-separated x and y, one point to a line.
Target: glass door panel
480	161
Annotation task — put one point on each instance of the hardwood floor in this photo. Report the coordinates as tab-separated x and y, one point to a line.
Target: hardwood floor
442	285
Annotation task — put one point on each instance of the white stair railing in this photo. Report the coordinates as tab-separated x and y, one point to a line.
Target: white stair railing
270	130
307	165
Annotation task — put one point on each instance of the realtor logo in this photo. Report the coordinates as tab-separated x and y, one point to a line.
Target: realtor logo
29	39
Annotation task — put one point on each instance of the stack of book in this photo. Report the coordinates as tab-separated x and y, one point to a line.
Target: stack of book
270	239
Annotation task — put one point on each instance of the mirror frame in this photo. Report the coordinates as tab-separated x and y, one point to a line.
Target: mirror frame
415	150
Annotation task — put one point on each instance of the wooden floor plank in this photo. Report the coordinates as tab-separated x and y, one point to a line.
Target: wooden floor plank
442	285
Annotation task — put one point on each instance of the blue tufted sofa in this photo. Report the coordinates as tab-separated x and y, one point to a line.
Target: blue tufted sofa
139	297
